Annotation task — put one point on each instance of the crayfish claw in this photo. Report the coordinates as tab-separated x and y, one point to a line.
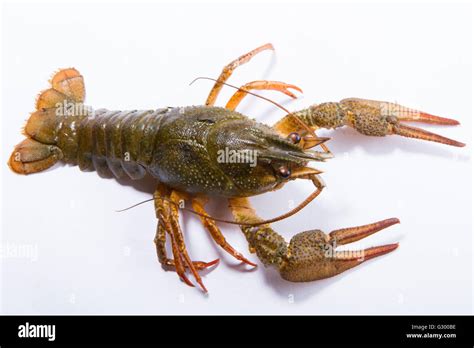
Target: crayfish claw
312	255
379	118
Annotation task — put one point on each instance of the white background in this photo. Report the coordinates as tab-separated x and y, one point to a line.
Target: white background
91	259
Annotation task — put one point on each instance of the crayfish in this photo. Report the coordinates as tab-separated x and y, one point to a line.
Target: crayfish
199	152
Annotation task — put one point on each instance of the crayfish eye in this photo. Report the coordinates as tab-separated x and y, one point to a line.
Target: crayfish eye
284	172
294	137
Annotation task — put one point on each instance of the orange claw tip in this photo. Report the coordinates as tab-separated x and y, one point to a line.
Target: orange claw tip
187	281
428	118
268	46
202	286
352	234
418	133
250	263
389	222
212	263
242	258
370	253
295	88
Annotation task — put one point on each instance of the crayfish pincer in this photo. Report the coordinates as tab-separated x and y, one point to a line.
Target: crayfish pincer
199	152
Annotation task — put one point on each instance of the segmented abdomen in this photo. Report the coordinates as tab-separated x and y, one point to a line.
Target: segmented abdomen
118	143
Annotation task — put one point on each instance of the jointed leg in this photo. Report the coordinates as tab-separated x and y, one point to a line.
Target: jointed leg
162	208
176	197
160	242
260	85
216	234
229	68
169	224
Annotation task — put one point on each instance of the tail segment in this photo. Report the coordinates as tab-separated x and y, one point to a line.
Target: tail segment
31	156
38	151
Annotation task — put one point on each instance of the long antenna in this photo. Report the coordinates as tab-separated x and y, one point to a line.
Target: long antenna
300	206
